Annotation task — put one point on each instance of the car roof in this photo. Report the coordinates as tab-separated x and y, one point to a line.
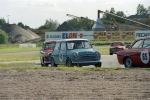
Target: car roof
71	40
144	38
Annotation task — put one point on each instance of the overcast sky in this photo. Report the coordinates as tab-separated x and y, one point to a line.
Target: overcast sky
34	13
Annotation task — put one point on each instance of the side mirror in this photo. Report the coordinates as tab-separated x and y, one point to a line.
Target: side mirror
128	46
93	46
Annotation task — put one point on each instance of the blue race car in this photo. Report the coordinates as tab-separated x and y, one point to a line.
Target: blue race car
75	52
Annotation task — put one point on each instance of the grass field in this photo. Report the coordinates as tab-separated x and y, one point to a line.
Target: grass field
13	48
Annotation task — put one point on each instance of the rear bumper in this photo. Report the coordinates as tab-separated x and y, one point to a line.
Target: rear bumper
47	62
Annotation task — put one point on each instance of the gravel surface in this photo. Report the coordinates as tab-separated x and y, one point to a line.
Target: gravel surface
123	84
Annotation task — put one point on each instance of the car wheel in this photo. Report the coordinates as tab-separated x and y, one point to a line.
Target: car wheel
79	65
69	63
53	63
111	53
98	64
128	63
41	62
46	65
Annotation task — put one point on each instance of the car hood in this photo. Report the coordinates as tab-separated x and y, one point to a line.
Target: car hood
48	51
83	51
127	52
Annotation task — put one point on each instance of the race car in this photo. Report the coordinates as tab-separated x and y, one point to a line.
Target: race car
137	54
45	52
116	46
75	52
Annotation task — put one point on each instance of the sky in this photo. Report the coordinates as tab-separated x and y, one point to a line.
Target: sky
34	13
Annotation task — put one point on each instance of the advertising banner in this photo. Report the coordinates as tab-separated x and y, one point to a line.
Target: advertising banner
69	35
142	34
114	35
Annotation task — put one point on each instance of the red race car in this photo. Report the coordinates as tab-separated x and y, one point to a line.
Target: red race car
116	46
137	54
45	52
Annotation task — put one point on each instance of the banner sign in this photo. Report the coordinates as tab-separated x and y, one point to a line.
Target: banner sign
98	35
69	35
142	34
113	35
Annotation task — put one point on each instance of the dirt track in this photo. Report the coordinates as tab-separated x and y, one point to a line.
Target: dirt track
133	84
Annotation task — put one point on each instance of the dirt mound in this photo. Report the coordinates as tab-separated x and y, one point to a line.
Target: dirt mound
18	34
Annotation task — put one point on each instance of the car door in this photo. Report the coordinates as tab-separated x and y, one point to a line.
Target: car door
145	52
55	53
62	53
135	51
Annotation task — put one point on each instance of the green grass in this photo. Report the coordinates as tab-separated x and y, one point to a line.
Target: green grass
19	57
20	66
84	69
11	48
103	51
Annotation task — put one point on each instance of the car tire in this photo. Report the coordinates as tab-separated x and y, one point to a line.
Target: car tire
46	65
79	65
98	64
128	63
53	63
43	64
111	53
69	63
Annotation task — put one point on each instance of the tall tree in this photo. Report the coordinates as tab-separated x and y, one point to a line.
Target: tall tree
21	24
2	21
148	10
50	24
121	14
141	10
3	37
112	10
81	23
105	16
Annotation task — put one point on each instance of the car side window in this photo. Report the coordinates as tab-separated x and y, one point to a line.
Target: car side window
57	46
63	46
146	43
70	45
138	44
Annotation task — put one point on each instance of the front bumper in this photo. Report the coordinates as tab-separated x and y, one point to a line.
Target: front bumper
86	62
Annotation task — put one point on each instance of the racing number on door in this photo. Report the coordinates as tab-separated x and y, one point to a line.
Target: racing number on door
144	57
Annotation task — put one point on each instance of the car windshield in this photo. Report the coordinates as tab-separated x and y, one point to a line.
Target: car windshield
117	44
79	45
50	45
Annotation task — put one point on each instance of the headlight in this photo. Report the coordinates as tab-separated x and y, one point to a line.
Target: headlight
98	53
76	54
46	54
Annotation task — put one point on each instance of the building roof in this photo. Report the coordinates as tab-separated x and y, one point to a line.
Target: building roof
98	26
65	27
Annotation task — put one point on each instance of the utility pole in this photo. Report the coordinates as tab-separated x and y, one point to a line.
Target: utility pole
7	18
